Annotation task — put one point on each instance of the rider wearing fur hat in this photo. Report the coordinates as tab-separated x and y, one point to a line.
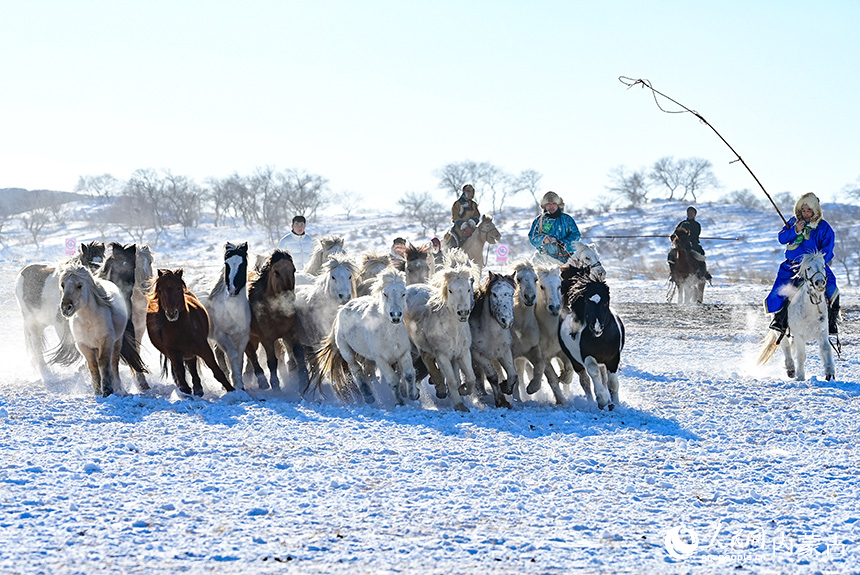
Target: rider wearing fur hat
804	233
465	214
553	232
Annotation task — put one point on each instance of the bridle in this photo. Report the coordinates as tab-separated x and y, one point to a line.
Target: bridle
815	296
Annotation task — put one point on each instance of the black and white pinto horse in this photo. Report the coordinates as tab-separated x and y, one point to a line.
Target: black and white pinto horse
592	336
688	276
807	321
37	289
230	312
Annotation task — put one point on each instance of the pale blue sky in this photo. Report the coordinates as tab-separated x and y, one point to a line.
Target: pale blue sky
376	95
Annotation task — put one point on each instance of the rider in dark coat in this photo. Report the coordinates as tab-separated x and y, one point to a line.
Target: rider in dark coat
695	230
465	215
805	233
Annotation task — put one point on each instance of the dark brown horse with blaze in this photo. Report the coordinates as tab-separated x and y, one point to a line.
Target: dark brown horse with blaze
178	327
272	295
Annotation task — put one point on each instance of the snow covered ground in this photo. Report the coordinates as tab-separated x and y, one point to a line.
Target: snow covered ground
709	465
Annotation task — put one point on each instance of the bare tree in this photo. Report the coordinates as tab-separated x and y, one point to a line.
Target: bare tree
105	186
349	201
224	196
421	207
744	198
529	181
271	201
37	215
630	187
691	175
304	193
144	204
490	182
184	199
847	248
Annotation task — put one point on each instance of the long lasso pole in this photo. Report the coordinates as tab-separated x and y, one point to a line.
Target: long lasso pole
630	82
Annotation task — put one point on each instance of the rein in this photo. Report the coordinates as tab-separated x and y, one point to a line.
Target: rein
814	298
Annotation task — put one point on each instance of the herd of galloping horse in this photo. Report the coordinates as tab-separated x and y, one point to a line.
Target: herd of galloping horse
343	321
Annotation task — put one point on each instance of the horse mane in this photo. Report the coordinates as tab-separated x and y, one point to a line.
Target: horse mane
522	264
322	246
257	285
386	277
443	278
412	254
456	257
83	273
806	262
371	260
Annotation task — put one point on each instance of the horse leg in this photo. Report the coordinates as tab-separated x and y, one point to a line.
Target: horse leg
105	370
35	347
452	381
298	352
196	382
390	378
115	355
465	363
552	379
209	359
482	376
800	353
358	373
600	391
613	388
272	364
227	353
535	356
92	357
788	353
566	375
407	376
251	354
512	380
437	378
178	366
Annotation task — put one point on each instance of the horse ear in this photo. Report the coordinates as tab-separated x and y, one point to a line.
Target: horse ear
229	246
243	247
161	272
178	273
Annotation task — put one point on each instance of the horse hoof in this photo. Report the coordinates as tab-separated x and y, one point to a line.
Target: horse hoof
185	389
503	403
611	406
533	387
829	377
462	408
198	392
790	372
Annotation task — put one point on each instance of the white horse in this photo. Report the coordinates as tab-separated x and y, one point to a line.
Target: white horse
371	265
418	264
97	314
230	312
548	314
807	321
323	248
369	333
490	322
38	294
317	304
586	256
525	333
437	318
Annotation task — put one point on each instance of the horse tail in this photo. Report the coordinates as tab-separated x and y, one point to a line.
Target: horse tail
130	350
328	362
66	353
769	346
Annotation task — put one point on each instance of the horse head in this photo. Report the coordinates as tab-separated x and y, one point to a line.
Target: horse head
120	266
417	264
338	275
92	254
526	280
75	283
143	265
455	291
390	286
235	267
489	230
586	256
279	273
169	294
681	239
372	265
589	302
549	282
500	290
813	272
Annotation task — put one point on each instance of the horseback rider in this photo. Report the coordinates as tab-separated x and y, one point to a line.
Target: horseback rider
553	232
464	215
694	228
804	233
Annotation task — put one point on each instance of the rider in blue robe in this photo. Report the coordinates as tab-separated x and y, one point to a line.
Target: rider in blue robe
554	232
805	233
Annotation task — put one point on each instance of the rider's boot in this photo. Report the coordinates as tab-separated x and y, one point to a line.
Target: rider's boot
833	308
703	268
672	271
780	319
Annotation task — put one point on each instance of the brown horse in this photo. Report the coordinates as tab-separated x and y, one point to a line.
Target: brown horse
178	327
688	275
272	295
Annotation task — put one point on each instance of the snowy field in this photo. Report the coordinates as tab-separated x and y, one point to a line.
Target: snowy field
709	465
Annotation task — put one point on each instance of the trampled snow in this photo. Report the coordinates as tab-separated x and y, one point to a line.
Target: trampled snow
709	465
